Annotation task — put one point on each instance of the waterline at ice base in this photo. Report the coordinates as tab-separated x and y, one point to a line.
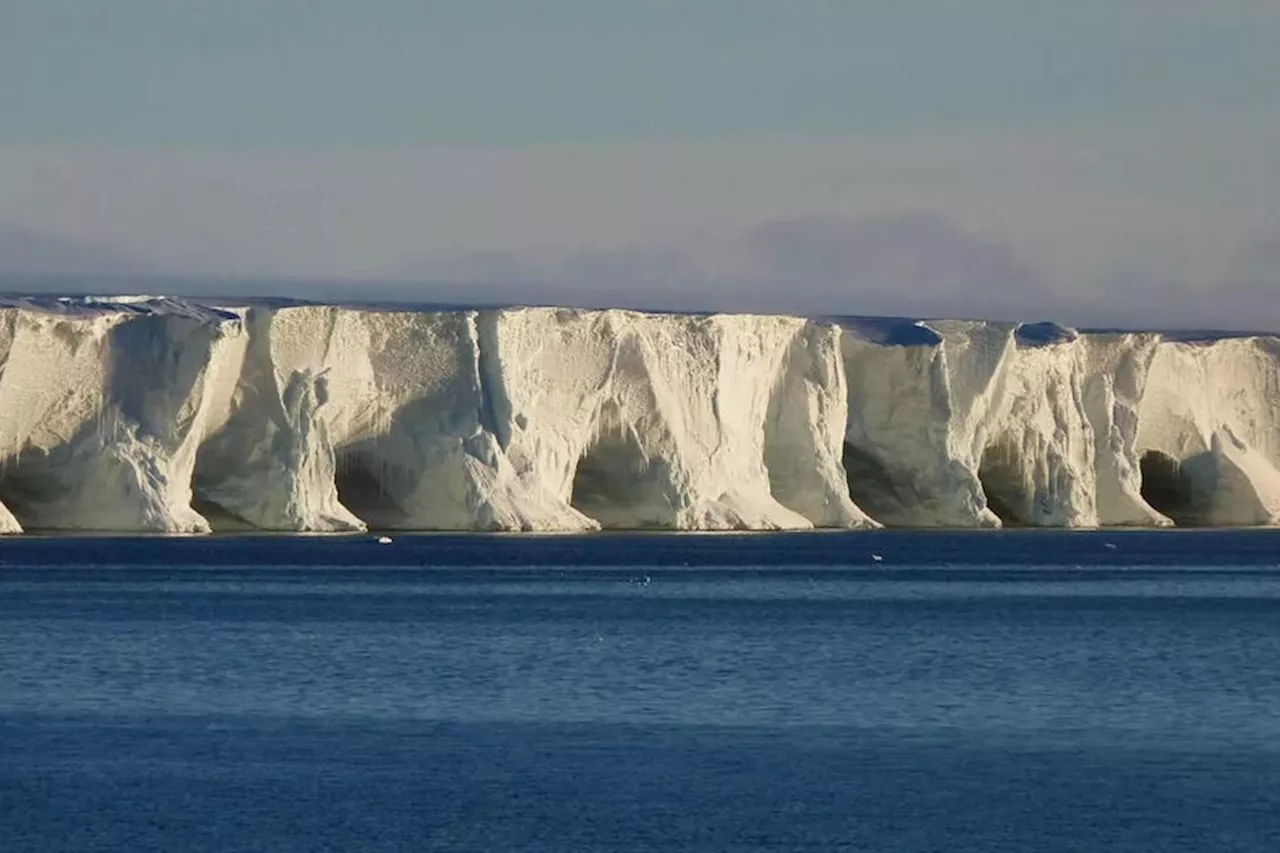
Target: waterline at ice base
153	414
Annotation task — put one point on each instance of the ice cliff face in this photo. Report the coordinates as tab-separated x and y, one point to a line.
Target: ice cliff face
1209	433
102	409
144	414
981	424
685	422
524	419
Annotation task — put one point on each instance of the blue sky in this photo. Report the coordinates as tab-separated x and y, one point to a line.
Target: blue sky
644	151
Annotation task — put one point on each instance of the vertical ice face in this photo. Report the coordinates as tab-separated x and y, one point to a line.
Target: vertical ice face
125	413
431	445
639	420
804	435
1114	371
1208	433
269	463
920	396
102	407
1038	463
530	419
8	328
8	523
347	417
589	443
978	424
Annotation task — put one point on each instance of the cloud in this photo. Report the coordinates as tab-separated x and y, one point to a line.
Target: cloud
33	251
910	264
1066	199
1258	254
1111	226
920	265
905	264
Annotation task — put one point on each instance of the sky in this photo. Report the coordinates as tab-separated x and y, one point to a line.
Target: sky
1099	162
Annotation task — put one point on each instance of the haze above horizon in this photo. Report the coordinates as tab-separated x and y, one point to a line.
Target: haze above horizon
1103	162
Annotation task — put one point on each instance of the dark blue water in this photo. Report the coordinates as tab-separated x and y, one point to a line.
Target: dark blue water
962	692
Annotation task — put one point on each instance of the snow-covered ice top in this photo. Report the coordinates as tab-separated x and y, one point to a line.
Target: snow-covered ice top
144	413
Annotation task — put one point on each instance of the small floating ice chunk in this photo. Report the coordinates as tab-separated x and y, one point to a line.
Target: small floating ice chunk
876	558
384	540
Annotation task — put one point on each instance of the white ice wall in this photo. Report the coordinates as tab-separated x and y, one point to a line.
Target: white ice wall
1114	372
487	419
158	415
390	402
804	436
920	398
1211	406
953	423
102	409
674	421
1038	458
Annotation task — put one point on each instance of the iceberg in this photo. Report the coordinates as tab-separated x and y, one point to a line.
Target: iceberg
155	414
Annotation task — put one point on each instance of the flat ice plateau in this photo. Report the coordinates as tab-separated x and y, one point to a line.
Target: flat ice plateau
152	414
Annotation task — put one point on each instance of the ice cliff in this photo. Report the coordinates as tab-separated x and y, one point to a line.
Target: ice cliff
153	414
103	408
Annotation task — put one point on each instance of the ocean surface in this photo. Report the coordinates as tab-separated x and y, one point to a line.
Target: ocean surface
1011	691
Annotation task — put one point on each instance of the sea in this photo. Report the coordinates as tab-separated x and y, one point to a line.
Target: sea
1026	691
